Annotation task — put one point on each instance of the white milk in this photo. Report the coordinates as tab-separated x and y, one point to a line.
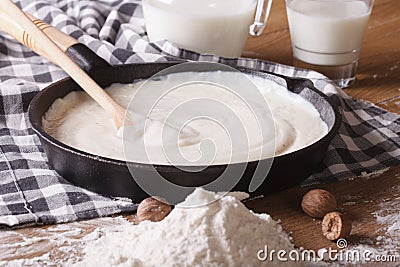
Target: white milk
210	26
332	30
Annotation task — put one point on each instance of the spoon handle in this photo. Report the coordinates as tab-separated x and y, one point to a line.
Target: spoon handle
62	40
34	38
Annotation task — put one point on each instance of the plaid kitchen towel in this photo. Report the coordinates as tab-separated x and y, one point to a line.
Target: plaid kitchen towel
32	193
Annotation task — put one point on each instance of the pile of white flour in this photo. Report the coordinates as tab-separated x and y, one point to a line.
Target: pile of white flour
224	233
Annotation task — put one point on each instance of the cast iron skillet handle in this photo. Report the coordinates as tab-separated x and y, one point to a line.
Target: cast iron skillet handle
79	53
293	82
85	58
298	82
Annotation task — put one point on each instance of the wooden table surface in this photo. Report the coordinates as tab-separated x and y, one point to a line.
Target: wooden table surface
371	202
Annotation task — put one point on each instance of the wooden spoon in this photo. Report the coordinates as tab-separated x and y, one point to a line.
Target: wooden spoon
33	37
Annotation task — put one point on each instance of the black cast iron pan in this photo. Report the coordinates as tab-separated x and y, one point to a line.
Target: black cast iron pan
112	178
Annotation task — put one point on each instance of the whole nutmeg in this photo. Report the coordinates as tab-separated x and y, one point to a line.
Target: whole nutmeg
335	225
318	202
153	209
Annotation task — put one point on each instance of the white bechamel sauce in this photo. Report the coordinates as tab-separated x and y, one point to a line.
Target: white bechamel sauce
241	129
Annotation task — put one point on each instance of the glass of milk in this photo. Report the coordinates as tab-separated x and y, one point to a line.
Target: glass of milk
327	35
218	27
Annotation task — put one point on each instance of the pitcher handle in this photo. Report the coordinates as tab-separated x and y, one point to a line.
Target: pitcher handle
259	24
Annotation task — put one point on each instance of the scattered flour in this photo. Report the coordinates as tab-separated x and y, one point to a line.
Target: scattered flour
223	233
385	248
389	216
373	174
55	245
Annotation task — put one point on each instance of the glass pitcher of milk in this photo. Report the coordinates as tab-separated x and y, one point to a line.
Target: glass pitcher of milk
218	27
